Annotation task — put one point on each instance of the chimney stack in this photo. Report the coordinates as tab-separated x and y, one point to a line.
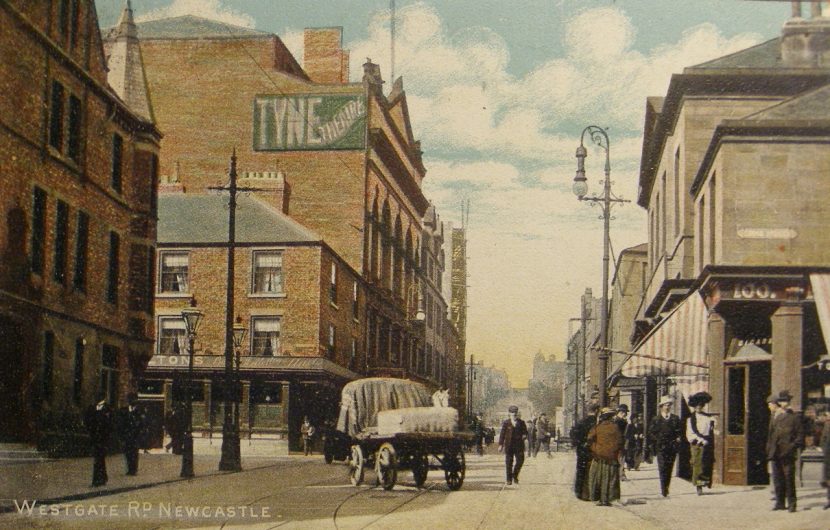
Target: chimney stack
805	43
324	59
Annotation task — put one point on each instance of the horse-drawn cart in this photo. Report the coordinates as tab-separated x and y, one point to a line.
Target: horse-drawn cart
392	426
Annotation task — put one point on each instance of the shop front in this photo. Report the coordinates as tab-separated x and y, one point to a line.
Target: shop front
765	336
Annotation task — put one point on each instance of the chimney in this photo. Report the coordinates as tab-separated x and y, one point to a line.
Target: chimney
324	59
279	192
805	43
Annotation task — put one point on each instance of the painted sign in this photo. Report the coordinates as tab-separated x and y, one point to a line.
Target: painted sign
309	122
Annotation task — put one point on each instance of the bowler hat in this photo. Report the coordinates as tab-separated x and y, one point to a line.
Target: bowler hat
622	408
785	396
666	400
701	398
512	408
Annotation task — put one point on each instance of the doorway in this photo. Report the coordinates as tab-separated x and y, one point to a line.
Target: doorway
747	423
12	429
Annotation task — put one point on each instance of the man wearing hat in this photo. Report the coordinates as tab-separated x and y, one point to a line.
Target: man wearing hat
664	434
700	433
512	442
785	440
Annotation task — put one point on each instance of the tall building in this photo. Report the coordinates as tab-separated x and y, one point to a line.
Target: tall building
79	163
733	176
546	387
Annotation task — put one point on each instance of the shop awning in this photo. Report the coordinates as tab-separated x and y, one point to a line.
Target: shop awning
821	294
675	347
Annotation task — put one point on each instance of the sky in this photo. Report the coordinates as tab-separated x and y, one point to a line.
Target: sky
499	92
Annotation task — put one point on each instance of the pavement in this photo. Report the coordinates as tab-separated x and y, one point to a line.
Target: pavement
298	492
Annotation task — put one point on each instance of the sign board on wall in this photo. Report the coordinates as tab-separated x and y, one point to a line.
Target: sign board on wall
309	122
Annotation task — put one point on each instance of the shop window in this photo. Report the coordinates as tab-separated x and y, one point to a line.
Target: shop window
174	272
172	336
265	339
267	276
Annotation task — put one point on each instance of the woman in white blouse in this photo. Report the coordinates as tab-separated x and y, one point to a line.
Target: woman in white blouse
700	432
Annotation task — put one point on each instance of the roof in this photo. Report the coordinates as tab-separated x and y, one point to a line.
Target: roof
193	219
812	106
192	27
766	55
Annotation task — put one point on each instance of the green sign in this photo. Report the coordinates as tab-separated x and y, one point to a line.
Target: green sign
309	122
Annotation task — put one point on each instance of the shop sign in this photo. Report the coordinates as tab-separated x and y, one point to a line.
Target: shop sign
181	361
309	122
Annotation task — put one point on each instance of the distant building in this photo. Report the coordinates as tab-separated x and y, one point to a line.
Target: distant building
79	163
546	386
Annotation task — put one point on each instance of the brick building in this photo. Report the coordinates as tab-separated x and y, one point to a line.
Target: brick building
733	176
79	163
301	304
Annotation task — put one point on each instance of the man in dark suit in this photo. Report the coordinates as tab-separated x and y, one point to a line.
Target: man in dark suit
512	442
131	423
98	421
785	440
664	435
579	440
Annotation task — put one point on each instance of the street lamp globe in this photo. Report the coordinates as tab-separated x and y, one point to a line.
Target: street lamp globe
580	186
239	332
192	317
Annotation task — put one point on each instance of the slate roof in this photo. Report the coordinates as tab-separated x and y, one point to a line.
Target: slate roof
192	219
766	55
814	105
192	27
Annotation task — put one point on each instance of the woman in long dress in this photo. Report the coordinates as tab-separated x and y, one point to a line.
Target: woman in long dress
606	442
700	433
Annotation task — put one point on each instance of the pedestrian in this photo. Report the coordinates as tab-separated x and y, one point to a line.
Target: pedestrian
542	435
700	433
531	434
825	449
606	443
441	397
634	443
307	430
478	430
98	421
174	424
622	423
785	440
579	439
666	430
512	443
131	427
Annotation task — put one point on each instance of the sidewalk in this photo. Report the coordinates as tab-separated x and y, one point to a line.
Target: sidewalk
70	478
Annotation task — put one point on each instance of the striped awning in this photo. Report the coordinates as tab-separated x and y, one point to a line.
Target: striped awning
676	346
821	294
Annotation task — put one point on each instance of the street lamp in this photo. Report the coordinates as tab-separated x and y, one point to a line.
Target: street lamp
239	332
580	189
191	317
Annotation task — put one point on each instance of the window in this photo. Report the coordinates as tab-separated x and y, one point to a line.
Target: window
172	336
63	17
81	244
78	378
73	142
712	217
174	272
48	363
267	272
353	354
74	15
332	340
333	286
355	305
56	117
117	162
265	339
61	242
112	273
151	283
109	374
700	226
38	229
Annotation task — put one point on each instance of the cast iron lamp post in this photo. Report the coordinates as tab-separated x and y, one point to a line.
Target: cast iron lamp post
191	317
580	189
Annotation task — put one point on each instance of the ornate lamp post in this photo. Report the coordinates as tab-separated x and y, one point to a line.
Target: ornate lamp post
580	189
191	317
239	332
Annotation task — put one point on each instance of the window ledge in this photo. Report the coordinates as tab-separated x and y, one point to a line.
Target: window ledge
267	295
173	295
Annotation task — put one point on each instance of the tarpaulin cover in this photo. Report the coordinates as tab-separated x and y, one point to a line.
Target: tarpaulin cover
361	401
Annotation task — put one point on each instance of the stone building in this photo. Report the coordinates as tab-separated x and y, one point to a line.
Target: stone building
79	156
733	175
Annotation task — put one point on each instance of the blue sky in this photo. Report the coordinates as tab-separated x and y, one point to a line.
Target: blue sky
498	94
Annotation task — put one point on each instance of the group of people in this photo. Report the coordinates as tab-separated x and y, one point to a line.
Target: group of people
539	435
607	444
100	421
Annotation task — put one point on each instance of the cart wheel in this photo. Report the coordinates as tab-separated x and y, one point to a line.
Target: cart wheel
386	466
356	466
454	467
420	468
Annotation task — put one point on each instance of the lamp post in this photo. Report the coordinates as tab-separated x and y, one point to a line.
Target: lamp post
239	332
191	317
471	376
580	189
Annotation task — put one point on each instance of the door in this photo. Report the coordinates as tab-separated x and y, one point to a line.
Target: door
747	422
11	378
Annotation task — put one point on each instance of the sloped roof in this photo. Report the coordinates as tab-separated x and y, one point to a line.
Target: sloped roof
186	219
761	56
814	105
193	27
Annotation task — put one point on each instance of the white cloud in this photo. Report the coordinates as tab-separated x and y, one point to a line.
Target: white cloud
295	42
211	9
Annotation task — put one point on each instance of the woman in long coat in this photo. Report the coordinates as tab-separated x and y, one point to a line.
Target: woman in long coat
606	442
